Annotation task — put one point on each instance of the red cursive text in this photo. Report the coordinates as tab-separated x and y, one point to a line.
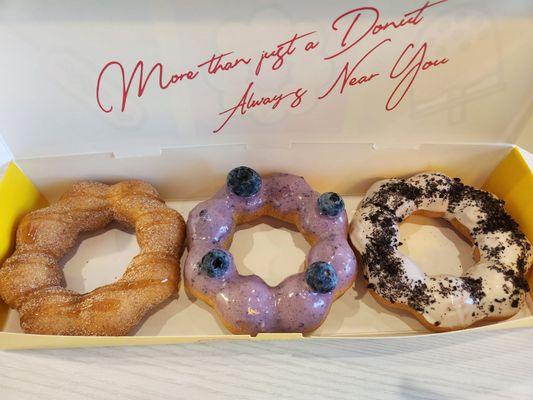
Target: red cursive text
353	36
409	72
249	101
346	76
354	29
216	64
142	82
282	50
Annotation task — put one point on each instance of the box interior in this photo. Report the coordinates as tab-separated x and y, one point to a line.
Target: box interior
267	247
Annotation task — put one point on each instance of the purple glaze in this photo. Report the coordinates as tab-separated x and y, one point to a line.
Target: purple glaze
247	303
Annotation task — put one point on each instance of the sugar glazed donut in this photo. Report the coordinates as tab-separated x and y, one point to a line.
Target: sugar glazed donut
246	304
493	289
31	280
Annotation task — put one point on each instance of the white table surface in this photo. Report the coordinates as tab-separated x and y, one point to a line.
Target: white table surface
470	365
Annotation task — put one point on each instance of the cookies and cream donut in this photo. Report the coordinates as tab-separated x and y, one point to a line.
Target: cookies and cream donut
493	289
246	304
31	280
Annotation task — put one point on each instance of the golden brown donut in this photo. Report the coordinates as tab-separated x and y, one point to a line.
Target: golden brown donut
31	279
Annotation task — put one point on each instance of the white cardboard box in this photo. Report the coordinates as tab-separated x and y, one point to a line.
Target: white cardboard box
460	117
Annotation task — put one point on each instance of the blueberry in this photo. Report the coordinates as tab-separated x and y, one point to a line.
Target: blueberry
321	277
330	204
244	181
215	263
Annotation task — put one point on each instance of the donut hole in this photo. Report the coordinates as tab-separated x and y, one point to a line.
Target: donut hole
99	258
435	245
269	248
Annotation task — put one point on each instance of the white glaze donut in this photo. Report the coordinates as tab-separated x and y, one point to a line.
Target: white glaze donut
494	288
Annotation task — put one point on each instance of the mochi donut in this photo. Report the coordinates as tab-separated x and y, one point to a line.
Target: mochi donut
493	289
31	280
246	304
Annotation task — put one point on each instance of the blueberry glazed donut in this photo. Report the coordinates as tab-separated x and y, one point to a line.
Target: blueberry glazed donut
493	289
246	304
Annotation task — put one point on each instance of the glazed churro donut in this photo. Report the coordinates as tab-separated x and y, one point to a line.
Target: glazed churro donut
246	304
31	280
493	289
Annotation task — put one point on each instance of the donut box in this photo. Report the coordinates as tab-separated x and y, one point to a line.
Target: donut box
290	96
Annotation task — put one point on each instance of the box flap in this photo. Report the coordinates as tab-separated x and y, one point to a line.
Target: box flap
410	72
5	156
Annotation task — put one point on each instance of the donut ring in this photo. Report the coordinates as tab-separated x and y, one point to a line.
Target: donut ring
246	304
493	289
31	280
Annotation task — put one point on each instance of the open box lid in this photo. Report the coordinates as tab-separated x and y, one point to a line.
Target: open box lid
476	86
